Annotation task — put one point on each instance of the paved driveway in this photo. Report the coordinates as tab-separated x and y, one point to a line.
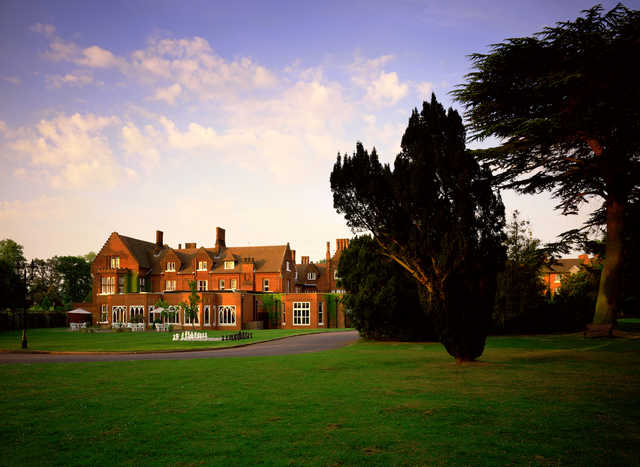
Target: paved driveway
290	345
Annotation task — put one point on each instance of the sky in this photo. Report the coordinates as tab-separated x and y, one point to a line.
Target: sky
135	116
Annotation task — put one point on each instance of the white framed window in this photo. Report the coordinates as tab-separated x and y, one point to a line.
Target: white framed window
320	313
202	285
557	278
296	275
171	266
301	313
221	284
229	264
153	315
108	285
137	312
118	314
335	274
265	285
288	285
284	314
227	315
202	265
288	268
207	309
174	315
115	262
311	276
234	284
104	313
196	319
141	284
170	285
121	284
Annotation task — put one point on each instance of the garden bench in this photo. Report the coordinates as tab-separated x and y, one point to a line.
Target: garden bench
599	330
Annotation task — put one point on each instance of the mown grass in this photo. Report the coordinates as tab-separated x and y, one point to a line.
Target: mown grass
547	400
65	340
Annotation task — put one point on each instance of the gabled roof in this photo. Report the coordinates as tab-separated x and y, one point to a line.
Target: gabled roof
142	251
303	269
267	258
563	265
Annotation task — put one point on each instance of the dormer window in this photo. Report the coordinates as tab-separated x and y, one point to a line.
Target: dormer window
171	266
115	262
311	276
202	265
229	264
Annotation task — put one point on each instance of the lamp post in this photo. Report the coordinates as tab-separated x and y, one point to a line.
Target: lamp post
22	271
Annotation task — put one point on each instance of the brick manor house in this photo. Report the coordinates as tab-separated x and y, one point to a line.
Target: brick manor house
130	276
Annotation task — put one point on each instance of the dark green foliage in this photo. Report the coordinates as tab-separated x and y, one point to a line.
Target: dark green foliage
568	110
520	293
271	306
11	285
573	303
73	276
190	307
437	216
382	299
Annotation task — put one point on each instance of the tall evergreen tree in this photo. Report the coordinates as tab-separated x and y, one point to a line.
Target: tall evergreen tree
567	109
436	215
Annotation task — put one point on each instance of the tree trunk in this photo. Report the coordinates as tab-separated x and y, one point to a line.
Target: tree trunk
609	289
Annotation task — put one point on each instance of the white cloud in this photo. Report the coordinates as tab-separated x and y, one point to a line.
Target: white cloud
72	151
3	127
189	63
141	144
47	30
424	90
70	79
381	88
386	89
168	94
97	57
11	79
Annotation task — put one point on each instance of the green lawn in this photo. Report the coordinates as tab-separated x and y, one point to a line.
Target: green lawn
65	340
546	400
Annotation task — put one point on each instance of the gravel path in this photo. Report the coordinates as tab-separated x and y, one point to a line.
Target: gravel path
290	345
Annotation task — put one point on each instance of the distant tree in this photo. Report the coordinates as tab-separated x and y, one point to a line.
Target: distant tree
436	215
382	298
573	302
44	284
190	307
568	113
74	274
89	257
520	286
11	285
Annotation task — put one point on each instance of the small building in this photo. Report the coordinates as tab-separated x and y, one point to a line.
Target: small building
553	275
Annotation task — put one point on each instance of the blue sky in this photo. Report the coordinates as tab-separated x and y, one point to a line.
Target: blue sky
182	116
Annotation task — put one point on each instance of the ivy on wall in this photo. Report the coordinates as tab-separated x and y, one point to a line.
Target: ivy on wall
271	305
332	300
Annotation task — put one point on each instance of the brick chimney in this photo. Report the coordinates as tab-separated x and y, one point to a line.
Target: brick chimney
584	258
328	257
342	244
304	259
190	245
220	243
179	246
159	236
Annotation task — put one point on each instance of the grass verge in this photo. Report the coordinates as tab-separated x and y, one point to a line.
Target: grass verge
545	400
64	340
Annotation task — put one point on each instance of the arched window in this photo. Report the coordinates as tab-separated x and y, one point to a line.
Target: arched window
227	315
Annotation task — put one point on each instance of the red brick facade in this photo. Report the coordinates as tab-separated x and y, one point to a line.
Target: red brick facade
130	276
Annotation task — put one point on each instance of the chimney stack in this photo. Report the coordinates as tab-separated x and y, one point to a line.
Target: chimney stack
159	238
342	244
190	245
179	246
304	259
220	243
584	258
328	257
